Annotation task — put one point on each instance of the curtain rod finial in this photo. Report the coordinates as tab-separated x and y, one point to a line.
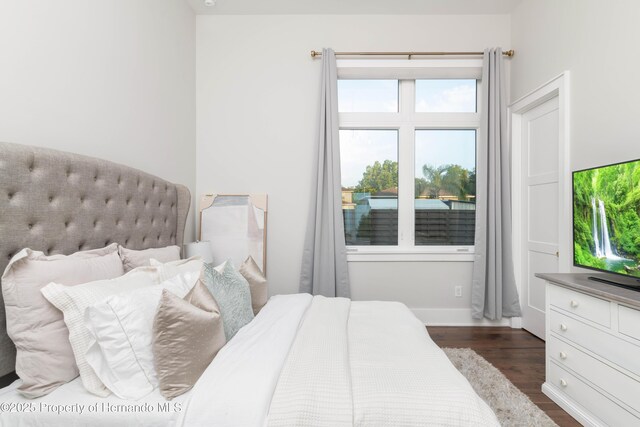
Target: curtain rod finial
315	54
510	53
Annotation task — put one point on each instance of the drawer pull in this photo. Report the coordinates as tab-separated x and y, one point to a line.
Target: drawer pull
563	383
563	355
563	327
574	304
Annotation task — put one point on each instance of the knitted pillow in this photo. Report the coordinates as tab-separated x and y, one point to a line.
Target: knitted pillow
233	295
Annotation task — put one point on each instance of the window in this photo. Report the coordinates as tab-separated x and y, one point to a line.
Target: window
445	188
369	169
408	163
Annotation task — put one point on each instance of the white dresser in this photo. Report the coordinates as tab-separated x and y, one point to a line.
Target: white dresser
593	350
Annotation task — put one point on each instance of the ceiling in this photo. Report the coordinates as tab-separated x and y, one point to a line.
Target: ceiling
355	7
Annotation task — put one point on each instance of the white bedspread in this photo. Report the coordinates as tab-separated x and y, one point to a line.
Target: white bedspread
303	361
237	387
314	388
400	377
371	364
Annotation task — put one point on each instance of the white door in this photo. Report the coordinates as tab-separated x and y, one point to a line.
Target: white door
541	191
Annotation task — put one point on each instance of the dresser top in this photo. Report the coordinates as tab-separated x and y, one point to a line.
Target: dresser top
581	282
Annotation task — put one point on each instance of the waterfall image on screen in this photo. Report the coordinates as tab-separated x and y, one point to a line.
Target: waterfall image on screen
606	218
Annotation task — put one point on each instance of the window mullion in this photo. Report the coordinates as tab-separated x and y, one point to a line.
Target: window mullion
406	162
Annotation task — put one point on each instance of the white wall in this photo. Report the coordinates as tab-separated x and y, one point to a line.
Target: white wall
112	79
257	113
598	42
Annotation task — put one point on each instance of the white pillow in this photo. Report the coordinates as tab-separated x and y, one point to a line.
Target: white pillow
121	327
167	270
73	300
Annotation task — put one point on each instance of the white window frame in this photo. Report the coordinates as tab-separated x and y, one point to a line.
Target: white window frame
406	121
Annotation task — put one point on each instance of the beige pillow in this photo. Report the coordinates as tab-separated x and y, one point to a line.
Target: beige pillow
44	358
132	259
257	284
187	335
74	300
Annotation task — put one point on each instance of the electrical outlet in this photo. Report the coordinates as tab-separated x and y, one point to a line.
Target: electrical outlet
458	290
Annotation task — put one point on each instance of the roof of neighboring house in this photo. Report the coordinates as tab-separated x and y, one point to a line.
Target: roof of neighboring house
390	190
419	204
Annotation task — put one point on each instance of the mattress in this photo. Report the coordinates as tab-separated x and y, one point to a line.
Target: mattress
303	361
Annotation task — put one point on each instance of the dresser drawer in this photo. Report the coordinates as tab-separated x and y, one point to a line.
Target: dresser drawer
612	381
605	345
607	410
629	321
595	309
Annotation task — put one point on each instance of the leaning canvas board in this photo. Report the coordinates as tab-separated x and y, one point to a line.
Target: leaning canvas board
236	227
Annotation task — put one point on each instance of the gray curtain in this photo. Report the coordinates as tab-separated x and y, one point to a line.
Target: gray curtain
493	293
324	260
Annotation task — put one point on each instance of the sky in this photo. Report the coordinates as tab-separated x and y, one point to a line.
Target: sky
445	147
360	148
446	96
368	96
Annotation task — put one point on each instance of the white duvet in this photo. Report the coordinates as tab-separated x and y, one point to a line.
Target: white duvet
303	361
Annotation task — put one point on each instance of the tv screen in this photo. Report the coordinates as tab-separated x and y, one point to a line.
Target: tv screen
606	218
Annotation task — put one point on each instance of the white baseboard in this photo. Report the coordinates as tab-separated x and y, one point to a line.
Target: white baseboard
572	408
516	322
453	317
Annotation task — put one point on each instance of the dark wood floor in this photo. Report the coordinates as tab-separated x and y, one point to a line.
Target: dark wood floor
518	354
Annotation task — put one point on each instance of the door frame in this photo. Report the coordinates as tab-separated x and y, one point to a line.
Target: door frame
556	87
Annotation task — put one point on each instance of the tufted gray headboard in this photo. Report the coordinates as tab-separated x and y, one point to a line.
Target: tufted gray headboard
59	202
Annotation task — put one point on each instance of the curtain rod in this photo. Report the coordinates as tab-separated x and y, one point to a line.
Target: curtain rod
317	54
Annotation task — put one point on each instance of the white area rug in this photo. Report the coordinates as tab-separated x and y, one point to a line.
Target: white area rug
511	406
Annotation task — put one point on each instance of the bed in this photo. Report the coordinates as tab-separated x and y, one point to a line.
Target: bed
303	360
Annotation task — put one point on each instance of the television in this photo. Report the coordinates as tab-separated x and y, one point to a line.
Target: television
606	222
